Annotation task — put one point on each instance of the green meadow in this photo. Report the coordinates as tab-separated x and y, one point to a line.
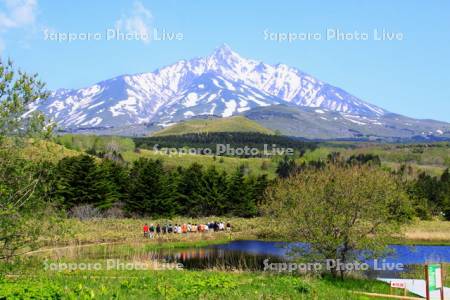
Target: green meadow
180	285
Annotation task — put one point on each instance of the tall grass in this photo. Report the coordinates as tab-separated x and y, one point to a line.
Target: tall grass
111	230
123	230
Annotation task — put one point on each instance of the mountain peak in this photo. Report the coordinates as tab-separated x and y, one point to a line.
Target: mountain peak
226	84
224	53
223	48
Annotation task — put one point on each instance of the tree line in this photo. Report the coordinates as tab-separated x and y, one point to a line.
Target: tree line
430	195
148	187
210	140
288	166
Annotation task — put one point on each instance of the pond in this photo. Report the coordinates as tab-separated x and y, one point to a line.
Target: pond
253	255
419	254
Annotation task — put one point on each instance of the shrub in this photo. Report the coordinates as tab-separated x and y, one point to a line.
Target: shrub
84	212
339	211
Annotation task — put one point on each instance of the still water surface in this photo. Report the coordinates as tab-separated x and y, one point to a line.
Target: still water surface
251	254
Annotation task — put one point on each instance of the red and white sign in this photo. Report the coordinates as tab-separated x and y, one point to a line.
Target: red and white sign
398	285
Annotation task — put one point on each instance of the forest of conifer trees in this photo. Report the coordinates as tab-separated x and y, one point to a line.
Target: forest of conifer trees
147	187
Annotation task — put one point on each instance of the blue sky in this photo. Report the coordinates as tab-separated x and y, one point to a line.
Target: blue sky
408	76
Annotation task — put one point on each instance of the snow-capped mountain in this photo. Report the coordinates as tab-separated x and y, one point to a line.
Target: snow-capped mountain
221	84
212	94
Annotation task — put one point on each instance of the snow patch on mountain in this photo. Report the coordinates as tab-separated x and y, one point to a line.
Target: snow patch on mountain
223	83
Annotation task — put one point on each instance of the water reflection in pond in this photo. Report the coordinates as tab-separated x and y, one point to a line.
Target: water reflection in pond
246	255
250	255
216	258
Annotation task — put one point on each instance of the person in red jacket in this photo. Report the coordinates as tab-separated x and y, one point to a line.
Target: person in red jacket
145	230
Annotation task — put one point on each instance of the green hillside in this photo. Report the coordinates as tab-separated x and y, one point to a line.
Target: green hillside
231	124
43	150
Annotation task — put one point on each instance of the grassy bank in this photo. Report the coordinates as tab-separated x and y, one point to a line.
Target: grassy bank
427	233
77	232
96	231
172	284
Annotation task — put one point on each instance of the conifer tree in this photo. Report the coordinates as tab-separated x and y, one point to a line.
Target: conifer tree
213	196
117	173
81	181
190	189
286	167
152	190
239	195
259	187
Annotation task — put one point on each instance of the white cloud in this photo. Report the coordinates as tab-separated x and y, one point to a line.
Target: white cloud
17	14
137	21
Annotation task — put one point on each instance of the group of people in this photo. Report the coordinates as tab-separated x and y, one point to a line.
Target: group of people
152	230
